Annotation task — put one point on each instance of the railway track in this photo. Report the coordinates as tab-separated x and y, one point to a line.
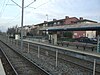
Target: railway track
74	65
20	64
9	70
67	65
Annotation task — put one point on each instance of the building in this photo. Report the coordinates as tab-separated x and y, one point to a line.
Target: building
26	30
89	34
66	21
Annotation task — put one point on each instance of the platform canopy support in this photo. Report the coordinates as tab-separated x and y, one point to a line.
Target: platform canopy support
98	44
53	37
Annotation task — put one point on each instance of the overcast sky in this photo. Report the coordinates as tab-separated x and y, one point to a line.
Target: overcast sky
10	15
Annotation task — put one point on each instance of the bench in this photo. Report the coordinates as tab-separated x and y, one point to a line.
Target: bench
77	44
92	46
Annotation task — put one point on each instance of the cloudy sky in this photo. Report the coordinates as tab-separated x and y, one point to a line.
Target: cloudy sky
10	14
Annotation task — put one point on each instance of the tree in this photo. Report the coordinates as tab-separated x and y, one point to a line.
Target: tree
11	32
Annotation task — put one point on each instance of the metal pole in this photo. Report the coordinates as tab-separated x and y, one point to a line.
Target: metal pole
38	51
8	38
28	47
22	24
12	41
15	42
98	44
47	53
56	57
94	66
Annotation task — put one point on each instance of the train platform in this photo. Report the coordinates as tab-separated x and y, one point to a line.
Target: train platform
79	51
2	72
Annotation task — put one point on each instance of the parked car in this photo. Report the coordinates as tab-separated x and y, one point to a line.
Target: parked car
86	40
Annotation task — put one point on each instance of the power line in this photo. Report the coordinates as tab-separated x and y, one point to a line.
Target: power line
18	13
22	7
8	23
42	4
1	2
3	7
16	3
29	4
25	6
13	18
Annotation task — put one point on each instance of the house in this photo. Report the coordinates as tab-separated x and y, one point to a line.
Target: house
66	21
26	30
89	34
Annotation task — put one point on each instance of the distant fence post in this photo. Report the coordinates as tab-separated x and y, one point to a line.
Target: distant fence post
38	51
94	66
98	44
56	58
12	41
28	47
16	42
8	39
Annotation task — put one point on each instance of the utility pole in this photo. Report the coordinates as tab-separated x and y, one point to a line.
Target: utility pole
22	17
22	24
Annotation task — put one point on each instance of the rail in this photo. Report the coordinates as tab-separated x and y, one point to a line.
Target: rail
26	59
9	61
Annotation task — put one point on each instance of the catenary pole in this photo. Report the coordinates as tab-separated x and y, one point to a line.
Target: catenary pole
22	24
22	17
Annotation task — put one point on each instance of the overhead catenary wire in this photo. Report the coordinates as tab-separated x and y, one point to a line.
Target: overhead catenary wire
12	20
25	6
40	5
16	3
1	3
3	7
29	4
18	13
17	16
8	23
